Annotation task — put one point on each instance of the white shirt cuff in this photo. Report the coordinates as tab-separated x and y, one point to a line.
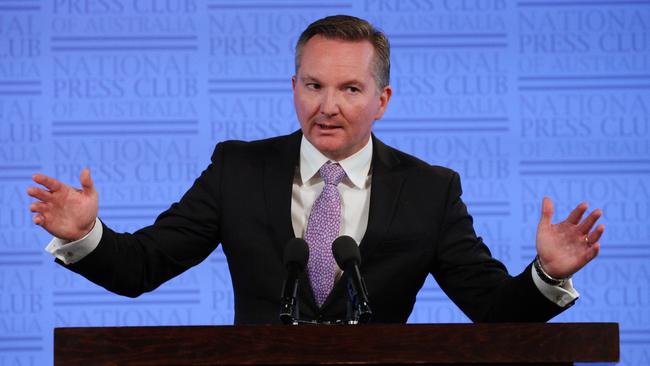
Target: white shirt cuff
562	296
73	251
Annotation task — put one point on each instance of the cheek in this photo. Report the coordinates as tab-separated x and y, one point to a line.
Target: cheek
362	113
372	110
304	106
300	114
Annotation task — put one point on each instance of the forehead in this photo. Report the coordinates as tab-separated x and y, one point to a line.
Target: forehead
335	57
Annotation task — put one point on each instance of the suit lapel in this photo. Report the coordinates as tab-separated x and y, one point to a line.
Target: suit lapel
384	193
279	168
279	171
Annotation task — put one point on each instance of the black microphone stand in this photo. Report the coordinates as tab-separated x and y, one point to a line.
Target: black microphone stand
358	307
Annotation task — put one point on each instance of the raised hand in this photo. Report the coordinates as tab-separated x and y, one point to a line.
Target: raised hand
65	212
566	247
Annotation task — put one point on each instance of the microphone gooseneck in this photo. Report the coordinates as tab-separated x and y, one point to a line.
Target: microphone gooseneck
296	255
347	256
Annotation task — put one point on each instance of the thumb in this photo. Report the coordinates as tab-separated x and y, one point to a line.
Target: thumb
87	181
547	212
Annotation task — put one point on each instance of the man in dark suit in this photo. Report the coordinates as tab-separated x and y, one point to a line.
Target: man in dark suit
407	215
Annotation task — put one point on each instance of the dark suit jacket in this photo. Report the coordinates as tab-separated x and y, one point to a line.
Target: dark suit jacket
417	225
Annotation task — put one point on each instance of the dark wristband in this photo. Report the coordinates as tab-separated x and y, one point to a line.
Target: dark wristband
545	277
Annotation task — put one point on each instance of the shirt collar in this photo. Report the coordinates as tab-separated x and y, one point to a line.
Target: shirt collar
356	167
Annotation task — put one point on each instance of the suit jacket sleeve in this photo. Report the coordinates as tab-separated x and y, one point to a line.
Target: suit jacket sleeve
181	237
479	284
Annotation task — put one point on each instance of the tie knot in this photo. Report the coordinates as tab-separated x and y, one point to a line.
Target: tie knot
332	173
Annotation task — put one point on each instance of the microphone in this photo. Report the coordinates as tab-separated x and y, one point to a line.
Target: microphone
296	254
347	256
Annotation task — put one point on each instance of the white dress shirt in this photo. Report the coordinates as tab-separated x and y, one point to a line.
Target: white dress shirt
354	189
307	185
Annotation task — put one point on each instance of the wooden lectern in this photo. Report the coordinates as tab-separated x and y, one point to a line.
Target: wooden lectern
476	344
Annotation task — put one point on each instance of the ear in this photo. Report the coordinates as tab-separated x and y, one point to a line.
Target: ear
293	82
384	98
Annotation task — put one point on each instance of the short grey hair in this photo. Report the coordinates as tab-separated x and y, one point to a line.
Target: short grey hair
349	28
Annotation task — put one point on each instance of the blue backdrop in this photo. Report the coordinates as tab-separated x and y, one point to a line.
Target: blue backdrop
523	98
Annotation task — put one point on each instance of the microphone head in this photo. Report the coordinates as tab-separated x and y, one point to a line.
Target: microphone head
345	249
296	252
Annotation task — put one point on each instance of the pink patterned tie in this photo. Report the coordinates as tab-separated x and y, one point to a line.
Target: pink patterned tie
322	228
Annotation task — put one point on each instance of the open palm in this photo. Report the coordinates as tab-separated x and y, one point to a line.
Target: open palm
65	212
566	247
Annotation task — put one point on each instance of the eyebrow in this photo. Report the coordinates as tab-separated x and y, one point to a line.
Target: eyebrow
347	82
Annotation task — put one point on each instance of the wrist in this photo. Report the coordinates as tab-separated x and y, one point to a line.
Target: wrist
553	281
85	231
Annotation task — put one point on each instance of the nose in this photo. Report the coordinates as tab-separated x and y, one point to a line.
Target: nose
329	104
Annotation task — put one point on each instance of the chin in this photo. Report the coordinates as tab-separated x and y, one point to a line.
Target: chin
325	143
328	150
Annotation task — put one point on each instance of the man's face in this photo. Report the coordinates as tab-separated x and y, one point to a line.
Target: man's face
336	97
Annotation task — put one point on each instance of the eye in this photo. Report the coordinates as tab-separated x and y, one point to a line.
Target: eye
313	86
353	89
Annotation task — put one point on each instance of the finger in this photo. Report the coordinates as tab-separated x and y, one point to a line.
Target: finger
575	215
39	194
38	219
547	211
87	181
595	235
38	207
592	252
49	182
586	224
